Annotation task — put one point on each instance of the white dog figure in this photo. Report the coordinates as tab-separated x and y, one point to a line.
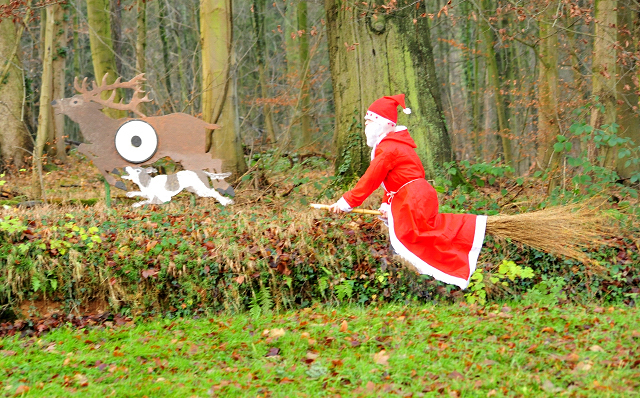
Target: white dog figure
160	189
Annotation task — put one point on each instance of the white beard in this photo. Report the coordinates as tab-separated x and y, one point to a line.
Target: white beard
375	133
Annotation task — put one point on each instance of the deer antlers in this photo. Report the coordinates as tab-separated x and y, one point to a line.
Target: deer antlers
94	94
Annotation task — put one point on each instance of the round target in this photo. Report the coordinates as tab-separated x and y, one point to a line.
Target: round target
136	141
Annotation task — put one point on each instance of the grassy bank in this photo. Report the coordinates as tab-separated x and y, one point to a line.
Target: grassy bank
450	350
269	251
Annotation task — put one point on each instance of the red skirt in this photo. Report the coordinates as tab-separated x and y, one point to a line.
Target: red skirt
445	246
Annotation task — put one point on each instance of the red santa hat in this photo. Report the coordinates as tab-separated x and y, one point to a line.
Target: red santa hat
385	110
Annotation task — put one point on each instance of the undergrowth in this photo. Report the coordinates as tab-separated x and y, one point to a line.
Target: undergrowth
269	252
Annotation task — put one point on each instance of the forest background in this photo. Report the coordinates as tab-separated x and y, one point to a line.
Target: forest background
487	80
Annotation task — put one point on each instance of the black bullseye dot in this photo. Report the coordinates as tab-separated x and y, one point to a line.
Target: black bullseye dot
136	141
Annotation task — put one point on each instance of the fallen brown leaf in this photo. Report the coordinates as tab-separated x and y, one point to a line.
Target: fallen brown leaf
312	354
584	366
22	389
273	351
275	333
381	358
573	357
456	375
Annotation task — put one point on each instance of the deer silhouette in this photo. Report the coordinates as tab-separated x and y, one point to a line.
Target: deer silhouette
179	136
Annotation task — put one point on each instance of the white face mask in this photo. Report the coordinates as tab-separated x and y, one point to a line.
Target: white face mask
373	131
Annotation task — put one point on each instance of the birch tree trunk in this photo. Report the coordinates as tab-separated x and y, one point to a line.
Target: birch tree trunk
258	28
44	117
102	54
15	142
372	56
217	107
548	124
57	133
604	76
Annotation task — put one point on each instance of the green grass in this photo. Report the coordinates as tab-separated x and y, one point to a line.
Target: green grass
444	350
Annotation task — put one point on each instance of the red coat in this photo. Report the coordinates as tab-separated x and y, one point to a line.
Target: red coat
445	246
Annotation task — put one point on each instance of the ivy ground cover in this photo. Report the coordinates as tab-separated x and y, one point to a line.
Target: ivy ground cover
409	351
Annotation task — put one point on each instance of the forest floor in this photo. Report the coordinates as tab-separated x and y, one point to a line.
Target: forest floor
451	350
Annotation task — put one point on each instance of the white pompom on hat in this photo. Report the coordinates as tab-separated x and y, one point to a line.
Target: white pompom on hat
385	110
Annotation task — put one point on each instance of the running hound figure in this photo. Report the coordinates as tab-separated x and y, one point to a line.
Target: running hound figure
160	189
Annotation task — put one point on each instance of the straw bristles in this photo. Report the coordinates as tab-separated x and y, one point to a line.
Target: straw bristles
560	230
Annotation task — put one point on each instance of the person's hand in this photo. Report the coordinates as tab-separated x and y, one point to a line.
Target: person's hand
334	208
384	209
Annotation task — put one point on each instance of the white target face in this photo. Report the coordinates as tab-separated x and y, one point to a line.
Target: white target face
136	141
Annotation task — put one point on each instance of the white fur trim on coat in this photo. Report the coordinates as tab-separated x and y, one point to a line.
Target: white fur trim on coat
343	205
427	269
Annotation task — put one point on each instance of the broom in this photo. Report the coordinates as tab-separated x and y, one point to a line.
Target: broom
560	230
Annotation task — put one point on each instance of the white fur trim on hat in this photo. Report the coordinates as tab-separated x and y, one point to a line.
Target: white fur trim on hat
407	111
378	119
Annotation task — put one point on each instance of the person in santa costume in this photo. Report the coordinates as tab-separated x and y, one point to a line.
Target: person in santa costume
445	246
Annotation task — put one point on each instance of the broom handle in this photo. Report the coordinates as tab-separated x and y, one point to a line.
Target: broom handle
361	211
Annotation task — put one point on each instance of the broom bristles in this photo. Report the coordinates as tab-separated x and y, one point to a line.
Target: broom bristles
560	230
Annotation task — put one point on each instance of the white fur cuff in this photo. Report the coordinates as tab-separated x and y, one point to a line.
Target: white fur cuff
343	205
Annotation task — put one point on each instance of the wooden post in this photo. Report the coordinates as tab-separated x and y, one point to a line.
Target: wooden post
107	193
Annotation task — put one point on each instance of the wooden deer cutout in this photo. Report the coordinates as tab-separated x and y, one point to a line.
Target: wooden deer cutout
116	143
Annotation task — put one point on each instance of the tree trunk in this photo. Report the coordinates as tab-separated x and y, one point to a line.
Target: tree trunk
165	51
604	73
292	56
102	52
57	135
494	75
76	40
471	80
305	94
15	142
548	123
116	32
376	54
141	42
629	119
44	117
258	28
182	79
216	27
